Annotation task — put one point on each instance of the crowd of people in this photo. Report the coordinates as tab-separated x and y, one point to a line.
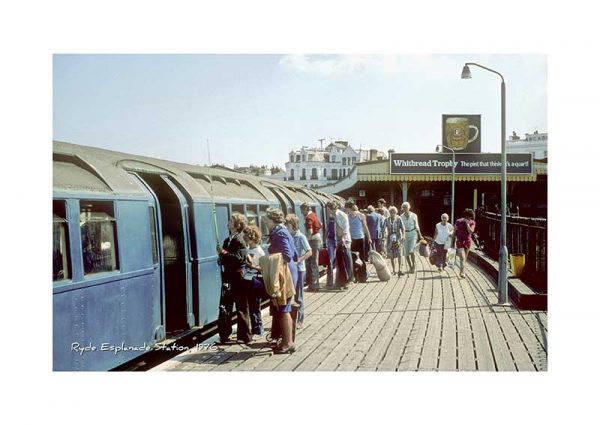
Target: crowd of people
289	264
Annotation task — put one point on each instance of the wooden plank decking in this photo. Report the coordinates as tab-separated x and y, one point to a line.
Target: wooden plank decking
427	321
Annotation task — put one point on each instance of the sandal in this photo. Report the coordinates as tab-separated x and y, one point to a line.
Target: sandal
280	350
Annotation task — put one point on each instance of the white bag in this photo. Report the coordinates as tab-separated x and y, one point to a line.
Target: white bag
451	257
448	243
383	272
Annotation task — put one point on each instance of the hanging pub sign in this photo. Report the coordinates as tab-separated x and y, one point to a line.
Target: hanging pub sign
465	163
462	132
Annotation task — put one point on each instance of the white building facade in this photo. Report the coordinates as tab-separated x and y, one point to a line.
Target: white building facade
535	143
315	167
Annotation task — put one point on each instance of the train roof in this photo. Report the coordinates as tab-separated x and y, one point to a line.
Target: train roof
78	168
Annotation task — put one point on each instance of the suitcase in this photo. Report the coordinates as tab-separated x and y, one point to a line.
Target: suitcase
383	272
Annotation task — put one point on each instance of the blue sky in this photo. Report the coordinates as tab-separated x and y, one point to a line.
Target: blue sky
255	108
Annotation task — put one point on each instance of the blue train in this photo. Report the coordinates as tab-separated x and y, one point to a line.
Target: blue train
134	260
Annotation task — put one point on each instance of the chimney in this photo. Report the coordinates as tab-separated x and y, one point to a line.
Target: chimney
372	154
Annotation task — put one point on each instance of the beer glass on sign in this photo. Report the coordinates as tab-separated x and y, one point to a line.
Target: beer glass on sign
457	133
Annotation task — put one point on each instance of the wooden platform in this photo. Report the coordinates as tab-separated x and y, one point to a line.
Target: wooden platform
427	321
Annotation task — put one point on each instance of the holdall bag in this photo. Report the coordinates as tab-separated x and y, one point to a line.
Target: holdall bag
323	257
383	271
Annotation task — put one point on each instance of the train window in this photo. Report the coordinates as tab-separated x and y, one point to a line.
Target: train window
262	215
252	215
61	265
153	235
98	237
235	208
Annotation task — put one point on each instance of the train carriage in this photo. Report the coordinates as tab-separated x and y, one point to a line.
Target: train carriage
134	258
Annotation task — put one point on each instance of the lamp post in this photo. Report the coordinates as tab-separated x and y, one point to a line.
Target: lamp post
503	253
440	148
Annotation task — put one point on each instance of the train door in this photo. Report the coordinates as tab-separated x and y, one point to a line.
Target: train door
175	247
157	256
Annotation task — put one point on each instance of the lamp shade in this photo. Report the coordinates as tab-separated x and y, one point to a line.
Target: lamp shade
466	72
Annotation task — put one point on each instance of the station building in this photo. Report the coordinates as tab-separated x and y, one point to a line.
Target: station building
315	167
430	195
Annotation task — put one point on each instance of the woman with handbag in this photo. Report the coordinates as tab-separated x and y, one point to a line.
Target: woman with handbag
395	237
464	229
443	240
281	241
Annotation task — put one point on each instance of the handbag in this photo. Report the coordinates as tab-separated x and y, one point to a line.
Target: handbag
323	257
424	250
433	254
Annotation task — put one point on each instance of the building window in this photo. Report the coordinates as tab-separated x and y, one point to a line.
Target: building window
291	158
343	161
344	172
297	158
311	157
313	174
292	174
303	174
98	237
324	172
61	264
303	158
334	174
333	158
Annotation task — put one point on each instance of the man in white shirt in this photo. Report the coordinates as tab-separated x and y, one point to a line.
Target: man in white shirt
342	232
382	204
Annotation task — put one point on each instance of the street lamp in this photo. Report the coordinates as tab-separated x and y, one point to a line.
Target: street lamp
503	254
440	148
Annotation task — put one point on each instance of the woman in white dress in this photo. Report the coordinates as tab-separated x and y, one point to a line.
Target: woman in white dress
412	234
443	240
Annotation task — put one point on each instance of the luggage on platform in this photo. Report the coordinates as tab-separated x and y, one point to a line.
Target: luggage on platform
344	266
323	257
433	254
423	248
380	264
359	268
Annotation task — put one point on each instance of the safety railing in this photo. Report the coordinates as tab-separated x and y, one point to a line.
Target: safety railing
524	235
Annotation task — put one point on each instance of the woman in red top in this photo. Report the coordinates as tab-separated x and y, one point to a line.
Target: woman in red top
464	229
